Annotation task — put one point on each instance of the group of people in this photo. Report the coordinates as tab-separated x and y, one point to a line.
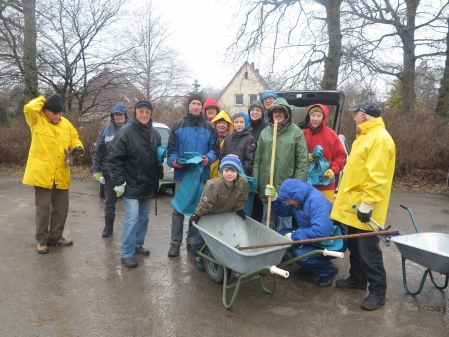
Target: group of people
231	151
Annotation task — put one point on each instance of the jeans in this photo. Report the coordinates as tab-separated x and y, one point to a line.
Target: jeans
317	264
199	242
135	225
366	262
283	222
177	226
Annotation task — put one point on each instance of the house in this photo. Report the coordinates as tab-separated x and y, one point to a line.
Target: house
244	88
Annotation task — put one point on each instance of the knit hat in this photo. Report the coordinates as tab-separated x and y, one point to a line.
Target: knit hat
195	97
119	108
316	109
256	104
231	161
53	103
368	107
143	103
268	93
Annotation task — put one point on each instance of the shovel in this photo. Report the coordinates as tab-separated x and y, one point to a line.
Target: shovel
302	242
273	157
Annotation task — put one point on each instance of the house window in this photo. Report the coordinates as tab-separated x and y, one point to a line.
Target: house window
246	75
252	98
239	99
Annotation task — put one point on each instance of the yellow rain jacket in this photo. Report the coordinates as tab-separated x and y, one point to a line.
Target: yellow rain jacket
46	159
221	115
368	175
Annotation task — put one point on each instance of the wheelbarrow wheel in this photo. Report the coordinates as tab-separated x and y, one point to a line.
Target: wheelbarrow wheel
214	271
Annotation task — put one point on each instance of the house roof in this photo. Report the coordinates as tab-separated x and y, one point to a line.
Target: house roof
256	72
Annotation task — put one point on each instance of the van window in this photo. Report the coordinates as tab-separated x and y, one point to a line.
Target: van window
165	133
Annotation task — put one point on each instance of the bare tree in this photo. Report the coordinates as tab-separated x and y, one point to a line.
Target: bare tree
400	20
442	107
291	32
155	66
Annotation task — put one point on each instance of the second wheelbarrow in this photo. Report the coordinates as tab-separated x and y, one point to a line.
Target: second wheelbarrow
224	233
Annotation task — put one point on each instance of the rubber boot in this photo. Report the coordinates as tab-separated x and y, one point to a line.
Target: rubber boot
108	229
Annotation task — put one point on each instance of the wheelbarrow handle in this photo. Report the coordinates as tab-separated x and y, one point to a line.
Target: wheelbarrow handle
327	252
279	271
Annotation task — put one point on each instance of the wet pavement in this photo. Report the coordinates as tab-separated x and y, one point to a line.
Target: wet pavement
85	291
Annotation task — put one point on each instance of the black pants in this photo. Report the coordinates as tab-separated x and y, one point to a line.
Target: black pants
257	213
366	262
110	199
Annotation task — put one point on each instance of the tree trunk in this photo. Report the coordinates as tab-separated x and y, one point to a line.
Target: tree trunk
407	35
332	62
29	50
442	107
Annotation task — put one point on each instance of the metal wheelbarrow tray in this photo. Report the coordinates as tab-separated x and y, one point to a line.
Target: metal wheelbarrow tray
223	234
430	250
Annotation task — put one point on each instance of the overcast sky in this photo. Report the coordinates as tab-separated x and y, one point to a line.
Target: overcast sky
200	33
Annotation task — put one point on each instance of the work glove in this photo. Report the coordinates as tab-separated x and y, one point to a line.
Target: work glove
97	176
205	161
271	192
102	180
241	214
288	236
194	219
76	151
329	174
364	212
120	190
177	165
312	159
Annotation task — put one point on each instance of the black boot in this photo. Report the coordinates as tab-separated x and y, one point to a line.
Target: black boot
108	229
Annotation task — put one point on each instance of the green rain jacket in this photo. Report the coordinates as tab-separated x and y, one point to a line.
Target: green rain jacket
291	160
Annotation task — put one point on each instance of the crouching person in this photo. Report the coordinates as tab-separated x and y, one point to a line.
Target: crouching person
311	210
226	193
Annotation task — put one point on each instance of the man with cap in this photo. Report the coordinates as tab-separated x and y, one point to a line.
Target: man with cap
192	133
54	143
366	183
119	117
267	98
291	159
135	173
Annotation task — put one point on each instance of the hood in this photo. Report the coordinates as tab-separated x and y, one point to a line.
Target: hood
297	190
119	108
282	103
223	115
322	107
210	102
245	117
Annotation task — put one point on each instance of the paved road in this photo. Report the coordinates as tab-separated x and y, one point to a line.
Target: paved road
85	291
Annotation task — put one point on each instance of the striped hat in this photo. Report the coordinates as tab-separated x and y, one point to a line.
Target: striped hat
231	161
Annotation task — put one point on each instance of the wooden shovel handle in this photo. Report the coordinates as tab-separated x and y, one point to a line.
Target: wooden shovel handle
273	157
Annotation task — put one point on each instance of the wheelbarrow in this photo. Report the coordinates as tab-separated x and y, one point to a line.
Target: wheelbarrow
430	250
224	233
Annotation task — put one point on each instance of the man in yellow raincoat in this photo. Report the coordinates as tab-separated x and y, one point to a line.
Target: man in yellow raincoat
366	182
54	143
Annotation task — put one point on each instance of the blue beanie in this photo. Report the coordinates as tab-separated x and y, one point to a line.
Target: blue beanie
268	93
231	161
119	108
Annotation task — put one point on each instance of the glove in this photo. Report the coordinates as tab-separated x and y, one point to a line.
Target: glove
102	180
329	174
312	159
97	176
194	219
241	214
76	151
205	161
271	192
177	165
120	190
364	212
160	184
69	157
288	236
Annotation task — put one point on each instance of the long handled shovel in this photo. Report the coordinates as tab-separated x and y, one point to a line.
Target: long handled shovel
301	242
273	157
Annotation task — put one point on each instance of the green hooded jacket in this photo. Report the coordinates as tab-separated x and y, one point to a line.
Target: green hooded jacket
291	160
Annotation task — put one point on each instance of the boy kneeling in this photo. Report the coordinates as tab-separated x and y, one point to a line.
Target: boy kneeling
226	193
